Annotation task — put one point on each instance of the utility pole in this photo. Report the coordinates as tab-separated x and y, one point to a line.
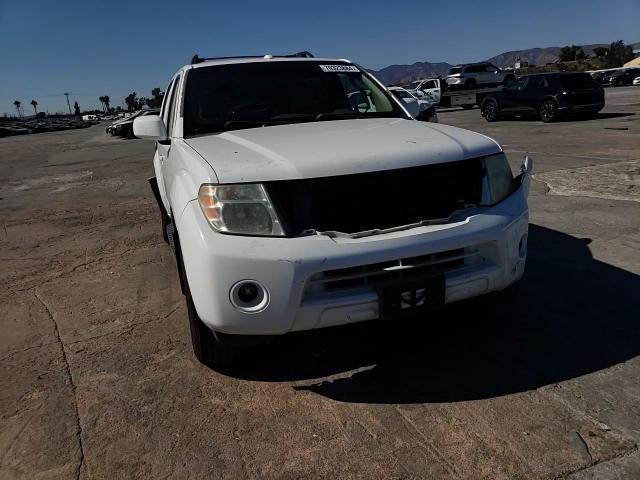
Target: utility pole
68	104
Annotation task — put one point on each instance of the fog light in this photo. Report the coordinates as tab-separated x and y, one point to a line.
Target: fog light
522	247
249	296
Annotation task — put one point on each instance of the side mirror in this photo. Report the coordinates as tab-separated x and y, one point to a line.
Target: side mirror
527	165
150	126
526	170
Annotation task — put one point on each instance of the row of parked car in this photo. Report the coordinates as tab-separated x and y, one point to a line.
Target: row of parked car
41	125
548	96
618	77
123	127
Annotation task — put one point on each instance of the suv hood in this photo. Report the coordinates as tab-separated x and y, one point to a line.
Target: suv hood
331	148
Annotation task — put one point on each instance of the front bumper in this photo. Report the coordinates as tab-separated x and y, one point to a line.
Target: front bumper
214	262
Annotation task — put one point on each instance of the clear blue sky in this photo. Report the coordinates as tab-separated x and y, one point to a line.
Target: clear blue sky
94	48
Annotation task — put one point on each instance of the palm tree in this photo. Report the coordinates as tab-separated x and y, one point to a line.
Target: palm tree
106	102
35	105
102	102
131	100
17	103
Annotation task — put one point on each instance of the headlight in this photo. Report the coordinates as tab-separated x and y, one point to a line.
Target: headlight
240	209
497	182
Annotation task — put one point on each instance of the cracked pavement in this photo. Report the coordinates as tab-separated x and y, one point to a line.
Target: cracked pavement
98	379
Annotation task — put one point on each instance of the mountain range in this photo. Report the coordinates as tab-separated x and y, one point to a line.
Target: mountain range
396	74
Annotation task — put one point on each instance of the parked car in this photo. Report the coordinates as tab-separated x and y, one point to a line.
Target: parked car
624	77
428	88
293	205
14	130
125	127
548	95
601	75
478	75
636	81
417	107
122	127
94	119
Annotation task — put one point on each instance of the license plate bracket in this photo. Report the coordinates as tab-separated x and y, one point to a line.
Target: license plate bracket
411	297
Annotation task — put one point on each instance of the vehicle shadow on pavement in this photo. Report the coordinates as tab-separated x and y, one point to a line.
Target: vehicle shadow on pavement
574	315
567	119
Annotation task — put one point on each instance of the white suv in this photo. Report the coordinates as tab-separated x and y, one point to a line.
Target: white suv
478	75
299	194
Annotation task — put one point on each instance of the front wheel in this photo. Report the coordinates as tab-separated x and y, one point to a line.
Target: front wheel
490	110
206	347
548	111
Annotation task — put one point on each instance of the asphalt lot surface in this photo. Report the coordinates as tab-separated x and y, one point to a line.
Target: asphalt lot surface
98	379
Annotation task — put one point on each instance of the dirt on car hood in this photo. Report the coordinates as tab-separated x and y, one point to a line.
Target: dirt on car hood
329	148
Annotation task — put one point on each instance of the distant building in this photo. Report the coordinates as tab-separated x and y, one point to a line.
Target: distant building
520	63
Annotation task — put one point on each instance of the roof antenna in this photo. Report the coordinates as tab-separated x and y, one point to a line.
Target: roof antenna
195	59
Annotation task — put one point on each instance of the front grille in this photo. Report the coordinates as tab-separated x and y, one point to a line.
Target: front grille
377	200
370	275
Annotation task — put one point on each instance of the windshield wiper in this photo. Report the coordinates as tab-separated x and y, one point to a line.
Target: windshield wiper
293	116
339	114
275	120
240	124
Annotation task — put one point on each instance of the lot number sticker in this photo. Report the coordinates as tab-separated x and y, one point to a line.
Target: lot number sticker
339	68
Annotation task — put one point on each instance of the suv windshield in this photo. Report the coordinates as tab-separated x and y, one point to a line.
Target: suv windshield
248	95
455	70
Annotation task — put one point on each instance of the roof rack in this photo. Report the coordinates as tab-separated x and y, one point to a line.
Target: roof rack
304	54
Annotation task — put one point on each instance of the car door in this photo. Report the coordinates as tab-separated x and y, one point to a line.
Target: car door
431	89
493	75
537	88
512	97
482	75
163	147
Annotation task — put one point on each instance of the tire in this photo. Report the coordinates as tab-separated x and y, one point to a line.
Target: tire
206	347
548	110
490	110
619	83
470	84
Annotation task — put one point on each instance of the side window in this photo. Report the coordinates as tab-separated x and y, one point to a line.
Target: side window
430	84
172	107
537	83
520	84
